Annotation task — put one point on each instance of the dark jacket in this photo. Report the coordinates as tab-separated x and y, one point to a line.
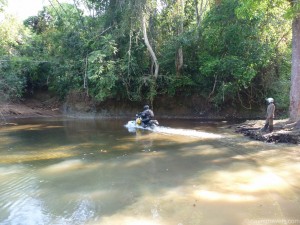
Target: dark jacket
147	115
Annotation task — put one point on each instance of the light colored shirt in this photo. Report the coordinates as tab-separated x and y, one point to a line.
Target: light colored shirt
270	111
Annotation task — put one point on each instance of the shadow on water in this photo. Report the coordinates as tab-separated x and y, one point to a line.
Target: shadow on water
100	173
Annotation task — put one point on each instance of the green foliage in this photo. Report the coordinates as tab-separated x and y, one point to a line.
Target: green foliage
12	34
235	52
232	51
2	5
13	67
250	9
102	69
11	87
12	78
62	78
60	41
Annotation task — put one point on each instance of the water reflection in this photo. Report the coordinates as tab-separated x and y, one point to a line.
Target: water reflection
96	172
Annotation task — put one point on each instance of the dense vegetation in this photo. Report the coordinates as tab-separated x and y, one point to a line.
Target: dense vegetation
229	52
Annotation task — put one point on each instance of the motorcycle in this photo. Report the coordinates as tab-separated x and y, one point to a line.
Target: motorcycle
139	122
133	125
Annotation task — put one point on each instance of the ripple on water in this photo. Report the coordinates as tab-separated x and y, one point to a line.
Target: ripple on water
19	200
16	187
174	180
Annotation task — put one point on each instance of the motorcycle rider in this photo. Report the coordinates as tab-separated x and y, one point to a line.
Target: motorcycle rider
147	115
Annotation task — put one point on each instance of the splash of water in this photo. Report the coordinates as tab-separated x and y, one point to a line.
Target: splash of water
131	126
186	132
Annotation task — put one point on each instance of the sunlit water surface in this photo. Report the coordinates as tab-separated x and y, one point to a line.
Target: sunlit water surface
64	171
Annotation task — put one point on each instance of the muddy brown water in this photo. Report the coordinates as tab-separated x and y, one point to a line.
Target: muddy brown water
71	171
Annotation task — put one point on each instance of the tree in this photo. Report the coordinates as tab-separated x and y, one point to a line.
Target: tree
2	5
13	67
102	69
254	6
149	47
295	77
61	39
200	8
234	53
180	18
135	50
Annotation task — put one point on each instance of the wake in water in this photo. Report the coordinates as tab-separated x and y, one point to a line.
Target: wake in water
186	132
131	126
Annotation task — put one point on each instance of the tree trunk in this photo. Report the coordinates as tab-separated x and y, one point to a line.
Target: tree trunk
200	9
218	2
197	12
179	61
295	77
179	54
153	56
85	79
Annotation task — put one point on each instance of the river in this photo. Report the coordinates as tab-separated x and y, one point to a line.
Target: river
187	172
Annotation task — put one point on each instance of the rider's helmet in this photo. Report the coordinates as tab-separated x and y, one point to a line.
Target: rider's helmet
270	100
146	107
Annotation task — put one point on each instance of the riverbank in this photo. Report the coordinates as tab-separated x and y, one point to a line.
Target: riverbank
30	108
284	131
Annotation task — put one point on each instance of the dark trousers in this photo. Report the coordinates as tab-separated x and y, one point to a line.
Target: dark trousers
268	124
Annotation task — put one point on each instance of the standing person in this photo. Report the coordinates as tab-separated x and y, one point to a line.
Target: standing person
270	115
147	114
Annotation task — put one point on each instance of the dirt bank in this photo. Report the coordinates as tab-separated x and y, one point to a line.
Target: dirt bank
44	105
30	108
284	131
77	104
